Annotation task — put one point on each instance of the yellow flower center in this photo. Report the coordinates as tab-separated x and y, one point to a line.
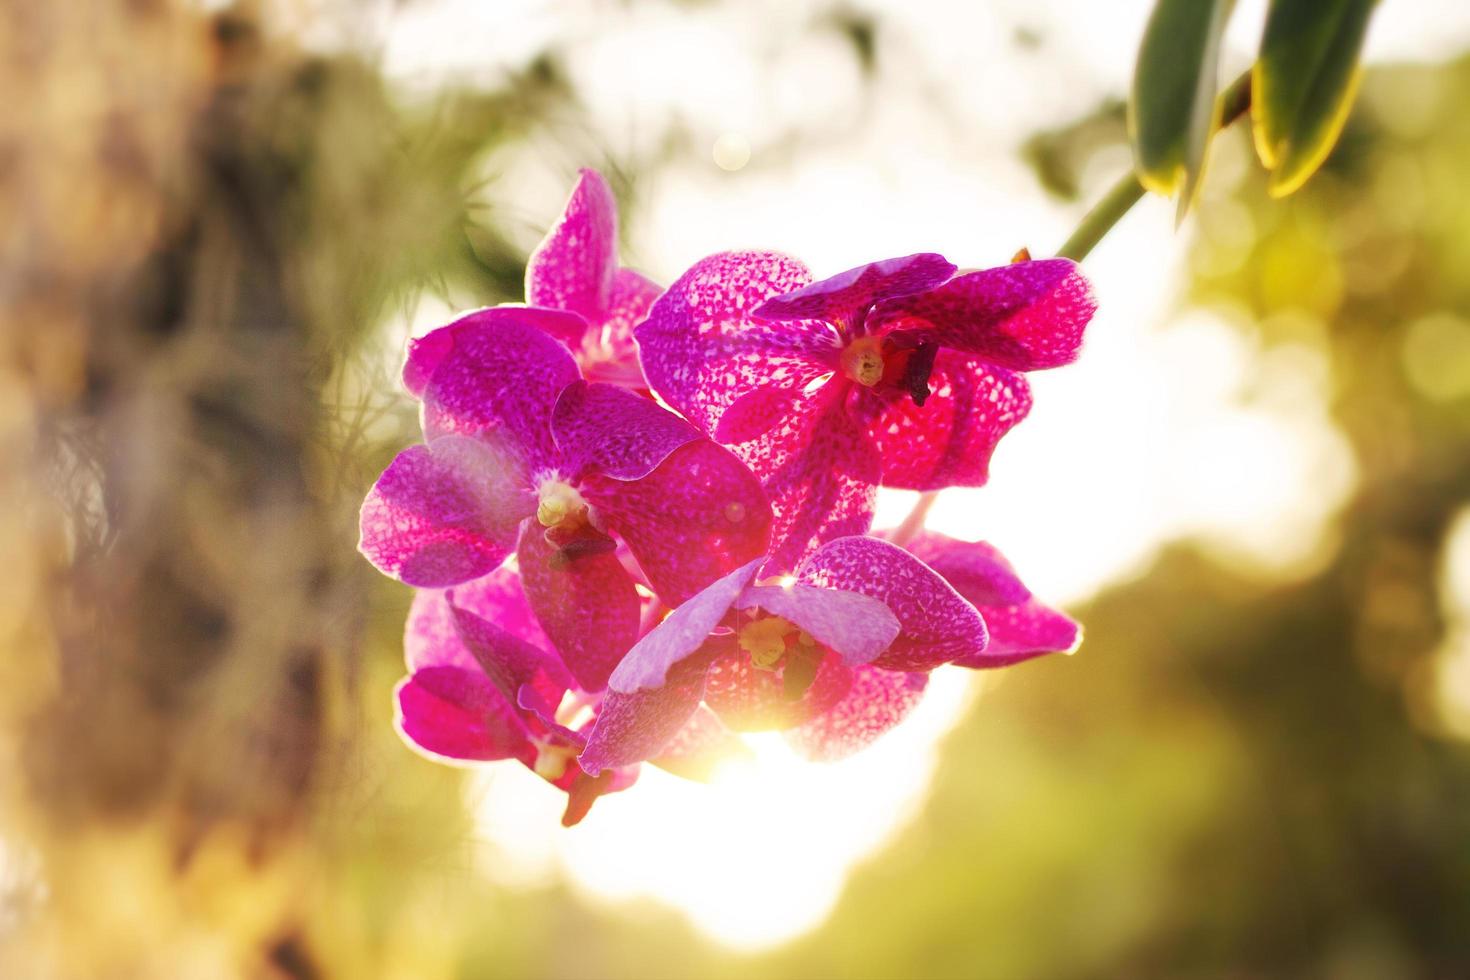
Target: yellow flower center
765	641
552	760
862	361
768	639
558	502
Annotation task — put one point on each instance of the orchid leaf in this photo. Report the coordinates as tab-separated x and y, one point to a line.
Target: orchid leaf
1304	83
1172	108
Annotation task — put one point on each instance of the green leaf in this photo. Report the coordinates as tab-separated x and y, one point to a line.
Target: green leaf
1172	110
1304	82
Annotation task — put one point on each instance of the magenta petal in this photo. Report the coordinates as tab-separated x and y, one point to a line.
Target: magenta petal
701	347
748	699
1022	632
633	294
877	700
680	635
458	714
609	353
511	663
762	410
819	469
1025	316
632	727
1021	626
937	624
431	639
585	601
696	517
572	268
486	627
501	377
977	570
701	747
534	702
846	296
614	432
443	513
426	353
856	626
949	440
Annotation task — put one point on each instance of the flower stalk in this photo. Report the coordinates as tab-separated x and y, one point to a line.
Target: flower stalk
1119	200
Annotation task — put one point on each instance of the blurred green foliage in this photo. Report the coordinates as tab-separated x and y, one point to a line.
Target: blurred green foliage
1236	776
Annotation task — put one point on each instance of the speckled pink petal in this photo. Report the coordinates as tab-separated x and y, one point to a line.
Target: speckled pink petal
856	626
1025	316
1023	632
486	627
633	294
586	603
696	517
424	355
443	513
612	431
751	700
977	570
539	712
458	714
701	347
633	727
1021	626
681	634
572	268
430	638
877	700
845	297
510	662
700	747
819	469
502	379
427	352
609	352
947	442
937	624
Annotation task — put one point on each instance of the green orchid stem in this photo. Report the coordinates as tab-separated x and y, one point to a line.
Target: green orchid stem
1127	191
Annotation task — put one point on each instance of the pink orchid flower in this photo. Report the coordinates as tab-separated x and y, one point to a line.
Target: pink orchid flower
483	686
522	455
860	616
898	373
1019	625
575	268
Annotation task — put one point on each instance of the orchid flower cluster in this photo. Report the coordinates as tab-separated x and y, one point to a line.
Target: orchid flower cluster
640	521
